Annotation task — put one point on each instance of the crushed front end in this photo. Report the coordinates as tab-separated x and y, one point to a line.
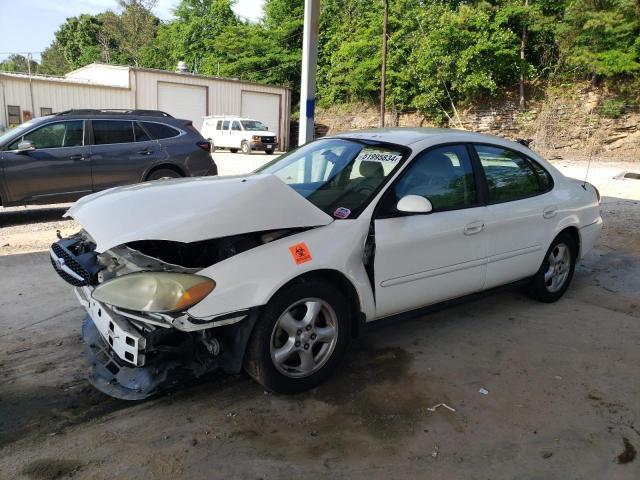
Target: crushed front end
135	353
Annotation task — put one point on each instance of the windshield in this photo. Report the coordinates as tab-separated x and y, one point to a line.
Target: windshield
19	129
254	125
338	176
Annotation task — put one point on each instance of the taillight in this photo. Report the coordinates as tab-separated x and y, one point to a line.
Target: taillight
206	146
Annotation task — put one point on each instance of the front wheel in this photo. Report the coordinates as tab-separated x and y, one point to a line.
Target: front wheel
300	338
555	273
246	148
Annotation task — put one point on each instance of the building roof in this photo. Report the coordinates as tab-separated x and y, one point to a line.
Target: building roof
168	72
53	78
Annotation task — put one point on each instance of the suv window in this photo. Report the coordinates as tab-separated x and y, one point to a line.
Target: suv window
160	130
55	135
236	126
219	125
141	135
225	125
112	131
443	175
509	174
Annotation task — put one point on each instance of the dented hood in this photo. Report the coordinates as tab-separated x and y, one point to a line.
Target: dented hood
193	209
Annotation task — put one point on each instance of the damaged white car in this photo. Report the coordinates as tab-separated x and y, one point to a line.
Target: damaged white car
276	271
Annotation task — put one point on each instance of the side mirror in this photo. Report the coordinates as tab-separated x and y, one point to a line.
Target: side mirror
414	204
26	146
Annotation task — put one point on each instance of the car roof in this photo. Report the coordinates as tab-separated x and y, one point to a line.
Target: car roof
411	135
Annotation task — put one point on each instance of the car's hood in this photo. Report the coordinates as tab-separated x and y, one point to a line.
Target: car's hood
193	209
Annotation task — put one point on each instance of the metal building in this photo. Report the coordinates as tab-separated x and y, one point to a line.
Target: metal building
183	95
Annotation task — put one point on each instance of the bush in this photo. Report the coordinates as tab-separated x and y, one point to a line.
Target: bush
612	108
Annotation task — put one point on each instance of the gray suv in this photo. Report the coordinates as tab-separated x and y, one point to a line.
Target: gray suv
61	157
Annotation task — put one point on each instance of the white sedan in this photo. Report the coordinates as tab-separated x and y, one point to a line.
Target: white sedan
276	271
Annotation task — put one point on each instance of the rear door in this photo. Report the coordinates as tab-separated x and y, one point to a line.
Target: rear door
58	170
122	151
521	215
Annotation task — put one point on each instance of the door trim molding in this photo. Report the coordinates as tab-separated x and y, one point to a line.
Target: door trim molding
433	272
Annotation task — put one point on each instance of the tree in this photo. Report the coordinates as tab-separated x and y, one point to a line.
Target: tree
78	39
53	61
133	29
18	63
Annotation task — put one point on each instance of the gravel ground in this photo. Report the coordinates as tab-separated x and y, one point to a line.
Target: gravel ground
561	382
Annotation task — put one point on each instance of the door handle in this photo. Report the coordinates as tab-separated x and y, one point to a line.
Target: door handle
549	212
145	152
77	158
473	228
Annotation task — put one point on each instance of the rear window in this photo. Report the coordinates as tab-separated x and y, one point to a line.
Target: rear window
160	130
141	135
219	125
112	131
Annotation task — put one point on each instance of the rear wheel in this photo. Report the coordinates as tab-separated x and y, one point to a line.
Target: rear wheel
163	174
555	273
268	152
300	338
246	148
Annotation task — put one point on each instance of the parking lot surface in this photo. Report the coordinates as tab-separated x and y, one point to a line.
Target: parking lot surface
537	391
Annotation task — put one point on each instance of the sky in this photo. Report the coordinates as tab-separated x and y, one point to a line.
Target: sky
29	25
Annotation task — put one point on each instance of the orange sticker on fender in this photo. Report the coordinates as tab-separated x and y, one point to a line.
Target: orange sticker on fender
300	253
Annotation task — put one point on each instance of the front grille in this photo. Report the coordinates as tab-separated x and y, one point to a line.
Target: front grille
78	270
268	139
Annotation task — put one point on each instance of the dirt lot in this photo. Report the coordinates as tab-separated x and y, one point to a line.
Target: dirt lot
562	382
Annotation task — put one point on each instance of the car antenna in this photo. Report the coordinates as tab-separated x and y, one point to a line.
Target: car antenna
584	184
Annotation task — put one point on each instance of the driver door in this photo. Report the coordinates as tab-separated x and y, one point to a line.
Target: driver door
422	259
58	170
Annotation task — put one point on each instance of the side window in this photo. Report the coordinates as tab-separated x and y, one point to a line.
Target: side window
55	135
236	126
112	131
219	125
225	125
160	130
141	135
444	176
546	182
510	175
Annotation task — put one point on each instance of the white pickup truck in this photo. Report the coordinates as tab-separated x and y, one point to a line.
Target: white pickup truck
237	133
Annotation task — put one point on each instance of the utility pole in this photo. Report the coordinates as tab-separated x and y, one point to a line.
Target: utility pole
523	46
383	75
309	68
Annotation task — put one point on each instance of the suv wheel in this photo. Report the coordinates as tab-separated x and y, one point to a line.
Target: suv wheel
163	174
245	147
300	338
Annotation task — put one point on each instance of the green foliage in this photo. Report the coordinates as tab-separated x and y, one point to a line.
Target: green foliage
18	63
442	54
612	108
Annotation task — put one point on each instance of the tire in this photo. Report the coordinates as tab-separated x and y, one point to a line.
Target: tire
281	331
163	174
245	147
553	279
268	152
233	150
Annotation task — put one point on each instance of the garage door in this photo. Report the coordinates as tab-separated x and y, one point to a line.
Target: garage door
264	107
183	101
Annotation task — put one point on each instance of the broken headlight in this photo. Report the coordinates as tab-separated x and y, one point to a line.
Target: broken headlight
154	292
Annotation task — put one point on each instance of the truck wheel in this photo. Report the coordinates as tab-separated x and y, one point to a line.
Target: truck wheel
301	336
555	273
163	174
245	147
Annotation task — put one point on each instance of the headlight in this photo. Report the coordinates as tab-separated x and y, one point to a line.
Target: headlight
154	292
256	138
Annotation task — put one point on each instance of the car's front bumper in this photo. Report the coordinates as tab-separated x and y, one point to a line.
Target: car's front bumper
263	146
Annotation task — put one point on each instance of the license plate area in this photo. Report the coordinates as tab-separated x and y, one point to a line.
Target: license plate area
123	339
